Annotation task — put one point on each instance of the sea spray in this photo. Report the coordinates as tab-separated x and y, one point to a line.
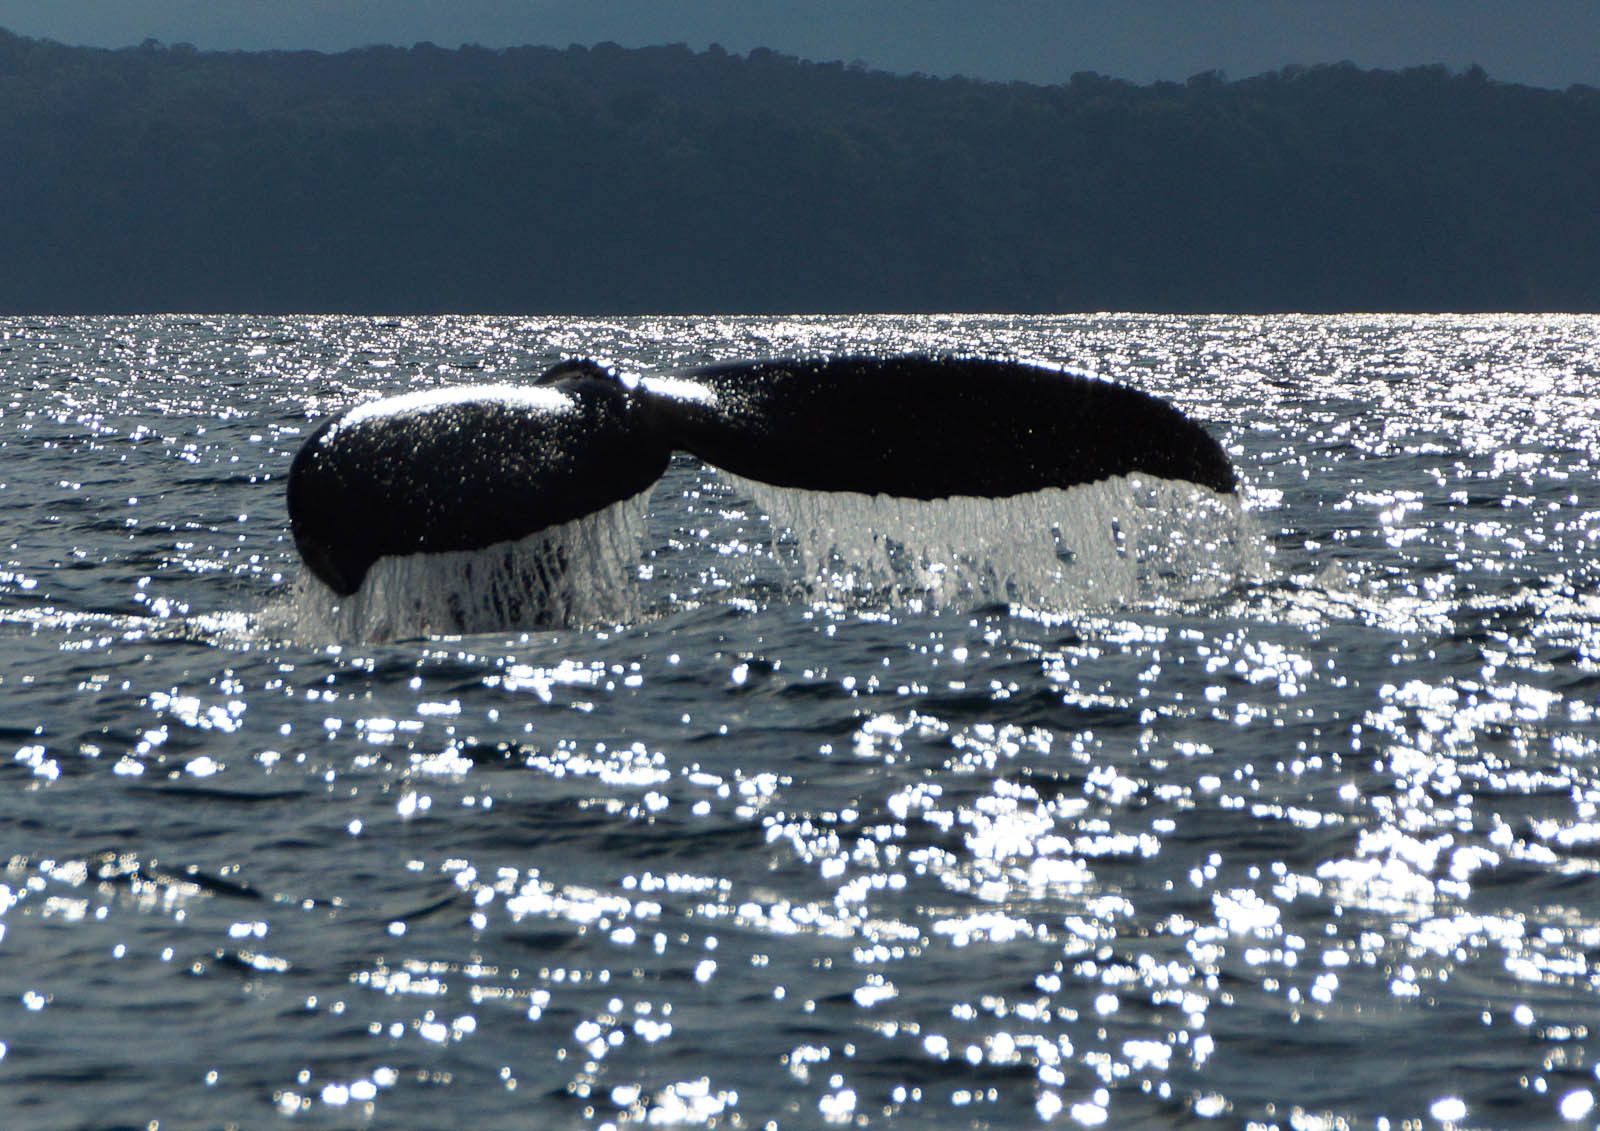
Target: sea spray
583	572
1121	540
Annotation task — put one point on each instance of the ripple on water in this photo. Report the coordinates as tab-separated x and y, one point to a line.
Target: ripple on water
1311	846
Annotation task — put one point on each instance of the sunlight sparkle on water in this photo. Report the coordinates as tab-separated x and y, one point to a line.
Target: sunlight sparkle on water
1275	818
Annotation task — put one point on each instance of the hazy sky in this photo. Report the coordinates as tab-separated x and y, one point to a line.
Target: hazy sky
1543	42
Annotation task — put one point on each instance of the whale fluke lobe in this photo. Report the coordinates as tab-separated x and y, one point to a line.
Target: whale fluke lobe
929	427
468	468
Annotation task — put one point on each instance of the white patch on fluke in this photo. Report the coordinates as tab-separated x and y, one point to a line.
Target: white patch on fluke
535	397
678	389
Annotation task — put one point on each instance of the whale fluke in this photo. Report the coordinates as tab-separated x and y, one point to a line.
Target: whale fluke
467	468
929	427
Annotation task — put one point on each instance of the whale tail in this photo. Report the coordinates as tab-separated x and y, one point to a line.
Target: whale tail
929	427
464	469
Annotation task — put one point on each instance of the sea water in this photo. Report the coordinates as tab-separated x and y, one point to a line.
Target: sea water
1123	808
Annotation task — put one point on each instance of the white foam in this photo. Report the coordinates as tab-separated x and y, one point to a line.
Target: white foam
1119	541
583	572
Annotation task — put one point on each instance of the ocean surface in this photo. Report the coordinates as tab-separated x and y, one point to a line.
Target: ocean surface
1283	817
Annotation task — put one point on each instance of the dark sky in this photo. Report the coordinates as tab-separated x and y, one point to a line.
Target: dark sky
1542	42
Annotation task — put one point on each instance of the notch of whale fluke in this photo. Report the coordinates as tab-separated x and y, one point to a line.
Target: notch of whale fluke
468	468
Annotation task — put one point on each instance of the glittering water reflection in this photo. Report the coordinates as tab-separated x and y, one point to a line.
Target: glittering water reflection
1311	850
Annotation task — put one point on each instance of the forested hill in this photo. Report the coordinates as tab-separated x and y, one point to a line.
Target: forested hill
610	180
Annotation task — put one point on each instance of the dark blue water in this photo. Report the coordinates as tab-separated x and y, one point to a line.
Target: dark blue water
1297	830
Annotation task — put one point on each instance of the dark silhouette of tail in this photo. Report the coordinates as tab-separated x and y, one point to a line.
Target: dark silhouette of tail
461	469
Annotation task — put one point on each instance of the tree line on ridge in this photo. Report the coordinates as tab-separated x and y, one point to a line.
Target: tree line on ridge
609	180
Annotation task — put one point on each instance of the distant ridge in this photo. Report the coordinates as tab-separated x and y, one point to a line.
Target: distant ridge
607	180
